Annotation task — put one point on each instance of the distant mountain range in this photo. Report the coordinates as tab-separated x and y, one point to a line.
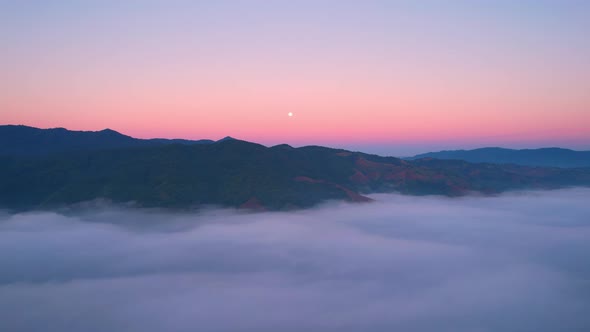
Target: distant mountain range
549	157
84	166
30	141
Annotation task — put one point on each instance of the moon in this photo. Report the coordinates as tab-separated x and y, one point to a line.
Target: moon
290	114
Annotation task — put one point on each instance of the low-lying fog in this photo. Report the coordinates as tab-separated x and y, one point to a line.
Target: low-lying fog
517	262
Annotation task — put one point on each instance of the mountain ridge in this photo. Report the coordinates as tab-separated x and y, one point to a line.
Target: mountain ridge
32	141
235	173
549	157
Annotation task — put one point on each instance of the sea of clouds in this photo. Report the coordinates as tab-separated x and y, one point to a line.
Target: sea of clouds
516	262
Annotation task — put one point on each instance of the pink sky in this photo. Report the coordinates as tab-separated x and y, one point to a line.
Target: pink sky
454	77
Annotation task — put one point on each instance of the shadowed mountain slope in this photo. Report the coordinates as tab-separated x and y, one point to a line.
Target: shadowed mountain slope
236	173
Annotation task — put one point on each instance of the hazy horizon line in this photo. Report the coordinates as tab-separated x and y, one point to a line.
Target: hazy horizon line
356	146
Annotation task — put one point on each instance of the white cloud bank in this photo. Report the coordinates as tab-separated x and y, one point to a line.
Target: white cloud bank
517	262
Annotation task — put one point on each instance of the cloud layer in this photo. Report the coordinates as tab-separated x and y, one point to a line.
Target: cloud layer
517	262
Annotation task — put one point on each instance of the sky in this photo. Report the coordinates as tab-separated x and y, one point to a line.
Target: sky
389	77
515	262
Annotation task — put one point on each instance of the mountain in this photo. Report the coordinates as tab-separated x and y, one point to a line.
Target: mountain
30	141
550	157
236	173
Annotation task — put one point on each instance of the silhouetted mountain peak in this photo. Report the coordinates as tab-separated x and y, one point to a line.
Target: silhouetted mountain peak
282	146
110	131
61	129
228	138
